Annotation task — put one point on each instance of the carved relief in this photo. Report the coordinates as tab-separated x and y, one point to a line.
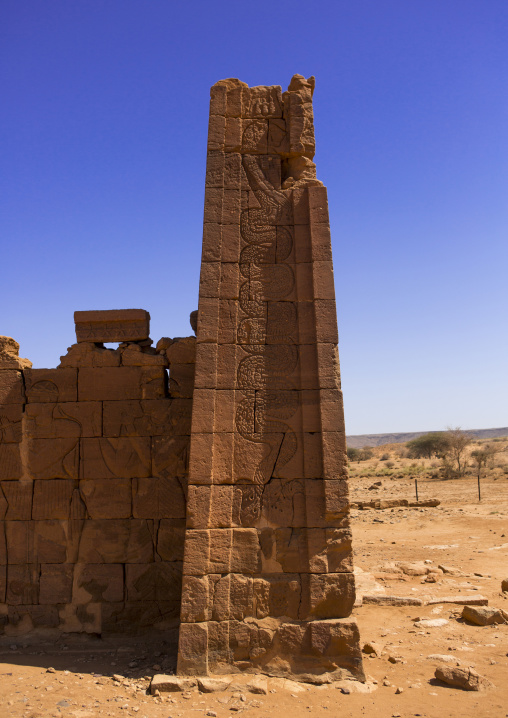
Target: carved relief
267	333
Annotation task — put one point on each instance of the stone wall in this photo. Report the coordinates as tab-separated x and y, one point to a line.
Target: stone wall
93	472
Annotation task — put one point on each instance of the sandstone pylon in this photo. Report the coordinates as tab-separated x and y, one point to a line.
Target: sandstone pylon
268	581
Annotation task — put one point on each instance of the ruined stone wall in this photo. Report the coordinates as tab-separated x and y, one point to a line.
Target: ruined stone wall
93	471
268	577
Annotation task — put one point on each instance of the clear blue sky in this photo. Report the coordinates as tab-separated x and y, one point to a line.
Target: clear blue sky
103	124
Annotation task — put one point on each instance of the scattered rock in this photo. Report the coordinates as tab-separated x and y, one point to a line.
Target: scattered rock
443	657
504	585
395	659
213	714
257	685
450	570
414	569
213	685
386	682
50	670
170	684
431	622
393	600
466	678
348	687
372	648
399	690
484	616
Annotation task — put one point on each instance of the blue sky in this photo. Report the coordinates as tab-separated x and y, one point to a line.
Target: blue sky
103	125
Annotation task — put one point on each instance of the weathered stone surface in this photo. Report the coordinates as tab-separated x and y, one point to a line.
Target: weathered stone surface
466	678
11	387
170	684
98	582
88	354
50	385
477	600
63	420
213	685
9	355
107	498
115	458
10	423
113	325
52	499
158	498
56	583
53	458
392	600
116	541
504	585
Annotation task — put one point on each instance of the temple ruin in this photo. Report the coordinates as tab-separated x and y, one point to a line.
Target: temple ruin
201	482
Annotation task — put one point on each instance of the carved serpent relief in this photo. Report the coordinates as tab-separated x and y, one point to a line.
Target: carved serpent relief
267	334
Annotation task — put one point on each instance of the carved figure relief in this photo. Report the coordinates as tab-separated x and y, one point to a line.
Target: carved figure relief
267	334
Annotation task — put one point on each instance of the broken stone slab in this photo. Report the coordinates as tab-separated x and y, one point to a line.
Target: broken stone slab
416	568
477	600
257	685
484	616
429	503
392	600
170	684
88	354
213	685
9	355
466	678
112	325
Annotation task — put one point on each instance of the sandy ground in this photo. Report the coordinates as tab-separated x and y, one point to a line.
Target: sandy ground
462	533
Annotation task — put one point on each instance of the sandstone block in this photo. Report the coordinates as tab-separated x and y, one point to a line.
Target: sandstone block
79	618
98	583
56	583
222	551
52	499
392	600
192	649
22	584
11	387
115	458
107	498
213	685
134	355
10	461
3	582
53	458
328	595
182	351
10	423
153	382
50	385
114	325
109	383
181	380
63	420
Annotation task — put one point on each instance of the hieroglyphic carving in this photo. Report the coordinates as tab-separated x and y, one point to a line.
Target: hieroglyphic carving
262	375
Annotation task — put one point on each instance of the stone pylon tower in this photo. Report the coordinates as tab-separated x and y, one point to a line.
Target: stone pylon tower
268	581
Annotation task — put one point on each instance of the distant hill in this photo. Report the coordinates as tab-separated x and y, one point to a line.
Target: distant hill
358	441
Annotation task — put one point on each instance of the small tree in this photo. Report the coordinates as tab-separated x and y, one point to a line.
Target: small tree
458	441
434	443
359	454
482	456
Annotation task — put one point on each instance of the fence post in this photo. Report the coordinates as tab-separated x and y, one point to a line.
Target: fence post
416	489
479	490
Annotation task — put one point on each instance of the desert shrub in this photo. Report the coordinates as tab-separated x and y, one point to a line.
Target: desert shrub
359	454
385	457
389	464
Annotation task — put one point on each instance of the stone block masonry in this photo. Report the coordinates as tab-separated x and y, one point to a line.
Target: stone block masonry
268	582
93	481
